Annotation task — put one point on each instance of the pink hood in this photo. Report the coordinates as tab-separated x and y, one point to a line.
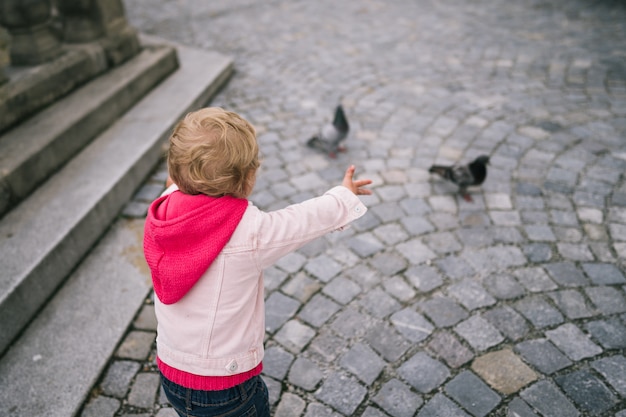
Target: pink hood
183	235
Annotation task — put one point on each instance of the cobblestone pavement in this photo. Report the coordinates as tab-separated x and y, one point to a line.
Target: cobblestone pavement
513	305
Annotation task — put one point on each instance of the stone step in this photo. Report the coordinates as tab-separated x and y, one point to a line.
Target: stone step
51	368
40	145
47	235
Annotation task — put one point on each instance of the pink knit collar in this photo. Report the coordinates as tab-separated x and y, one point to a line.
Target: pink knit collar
183	235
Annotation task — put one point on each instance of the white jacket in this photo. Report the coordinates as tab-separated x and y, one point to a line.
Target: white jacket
218	327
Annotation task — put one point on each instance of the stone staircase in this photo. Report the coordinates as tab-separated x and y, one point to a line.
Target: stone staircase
72	274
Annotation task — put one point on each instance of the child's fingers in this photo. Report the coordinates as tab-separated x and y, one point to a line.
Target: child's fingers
349	173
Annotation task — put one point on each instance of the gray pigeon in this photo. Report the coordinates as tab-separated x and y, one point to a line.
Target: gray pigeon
464	176
332	134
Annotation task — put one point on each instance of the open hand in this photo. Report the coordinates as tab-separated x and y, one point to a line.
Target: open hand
355	186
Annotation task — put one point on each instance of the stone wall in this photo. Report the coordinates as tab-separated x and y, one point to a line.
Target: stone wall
48	48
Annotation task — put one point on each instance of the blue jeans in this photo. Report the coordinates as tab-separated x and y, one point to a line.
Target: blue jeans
249	399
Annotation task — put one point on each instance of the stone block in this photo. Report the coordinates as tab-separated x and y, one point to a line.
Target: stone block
397	399
317	311
504	371
587	391
613	369
305	374
289	405
440	405
443	311
507	321
363	362
277	362
423	372
479	333
539	312
294	336
546	398
342	393
144	390
446	346
411	325
472	393
573	342
117	379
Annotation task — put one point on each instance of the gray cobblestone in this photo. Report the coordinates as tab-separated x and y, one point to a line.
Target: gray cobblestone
540	233
472	393
323	268
294	335
118	377
443	311
137	345
573	342
379	304
144	390
494	259
423	372
539	312
342	290
387	341
535	279
507	321
549	400
412	325
317	311
415	251
365	244
571	303
543	355
607	300
277	362
518	408
440	405
398	288
503	286
446	346
479	333
587	391
342	393
604	274
319	410
278	309
388	264
424	278
326	347
363	362
397	399
455	267
566	274
290	405
611	334
101	407
613	369
305	373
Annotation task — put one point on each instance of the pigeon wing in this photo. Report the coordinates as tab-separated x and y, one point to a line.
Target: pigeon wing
462	176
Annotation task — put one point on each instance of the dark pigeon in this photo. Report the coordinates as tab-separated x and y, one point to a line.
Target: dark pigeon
464	176
331	135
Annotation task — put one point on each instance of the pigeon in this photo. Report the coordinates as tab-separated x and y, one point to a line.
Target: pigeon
464	176
332	134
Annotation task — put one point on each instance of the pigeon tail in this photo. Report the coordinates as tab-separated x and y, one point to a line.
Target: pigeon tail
442	171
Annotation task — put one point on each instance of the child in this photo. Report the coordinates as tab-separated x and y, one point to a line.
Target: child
207	246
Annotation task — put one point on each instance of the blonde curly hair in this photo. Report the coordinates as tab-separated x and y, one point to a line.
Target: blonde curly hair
213	152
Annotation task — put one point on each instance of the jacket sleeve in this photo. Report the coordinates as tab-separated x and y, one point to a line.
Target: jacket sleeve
283	231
